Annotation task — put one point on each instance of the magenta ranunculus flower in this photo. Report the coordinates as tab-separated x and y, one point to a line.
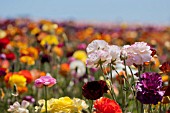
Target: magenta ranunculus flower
149	88
45	81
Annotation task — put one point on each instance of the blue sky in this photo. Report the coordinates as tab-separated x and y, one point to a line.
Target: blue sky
132	11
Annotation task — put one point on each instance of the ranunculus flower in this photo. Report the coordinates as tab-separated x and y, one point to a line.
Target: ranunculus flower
2	72
137	53
80	55
106	105
94	89
97	57
115	53
4	42
149	88
63	105
45	81
64	69
77	68
27	75
165	67
17	108
10	56
17	79
96	45
29	99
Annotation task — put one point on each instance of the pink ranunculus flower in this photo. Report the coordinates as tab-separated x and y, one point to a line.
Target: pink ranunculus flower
45	81
96	45
138	53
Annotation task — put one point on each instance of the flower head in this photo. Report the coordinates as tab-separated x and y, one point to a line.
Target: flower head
137	53
45	81
17	108
63	105
149	88
77	68
165	67
106	105
96	45
94	89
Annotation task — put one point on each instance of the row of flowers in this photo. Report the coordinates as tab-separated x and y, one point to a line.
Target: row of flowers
64	67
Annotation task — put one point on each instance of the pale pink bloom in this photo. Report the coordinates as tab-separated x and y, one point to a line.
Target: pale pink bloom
94	58
115	53
45	81
96	45
17	108
137	53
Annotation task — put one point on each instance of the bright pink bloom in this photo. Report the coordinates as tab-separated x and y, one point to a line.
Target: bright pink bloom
45	81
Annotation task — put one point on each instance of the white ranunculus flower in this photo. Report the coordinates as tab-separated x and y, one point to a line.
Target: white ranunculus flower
100	55
96	45
115	53
17	108
78	67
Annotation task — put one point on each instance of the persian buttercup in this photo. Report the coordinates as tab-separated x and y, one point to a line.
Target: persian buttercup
149	88
94	89
106	105
45	81
138	53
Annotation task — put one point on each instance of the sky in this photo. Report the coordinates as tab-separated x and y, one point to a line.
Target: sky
131	11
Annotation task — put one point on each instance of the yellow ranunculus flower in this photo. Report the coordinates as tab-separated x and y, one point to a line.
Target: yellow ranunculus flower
80	55
19	80
63	105
27	59
50	40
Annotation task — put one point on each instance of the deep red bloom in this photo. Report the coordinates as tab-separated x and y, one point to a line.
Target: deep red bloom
153	52
4	42
165	67
10	56
106	105
94	89
2	72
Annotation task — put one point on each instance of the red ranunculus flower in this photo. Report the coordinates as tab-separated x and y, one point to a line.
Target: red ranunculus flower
165	67
27	75
106	105
4	42
94	90
10	56
2	72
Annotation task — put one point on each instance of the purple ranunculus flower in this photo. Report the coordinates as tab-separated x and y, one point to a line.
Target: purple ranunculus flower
149	88
29	99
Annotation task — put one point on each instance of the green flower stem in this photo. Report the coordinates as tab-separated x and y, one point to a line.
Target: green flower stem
142	111
160	106
149	108
111	90
46	99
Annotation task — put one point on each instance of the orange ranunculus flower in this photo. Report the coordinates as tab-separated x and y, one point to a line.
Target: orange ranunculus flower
64	69
106	105
22	89
58	51
27	75
36	74
165	78
31	51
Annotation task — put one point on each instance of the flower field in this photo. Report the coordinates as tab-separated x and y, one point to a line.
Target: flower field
67	67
